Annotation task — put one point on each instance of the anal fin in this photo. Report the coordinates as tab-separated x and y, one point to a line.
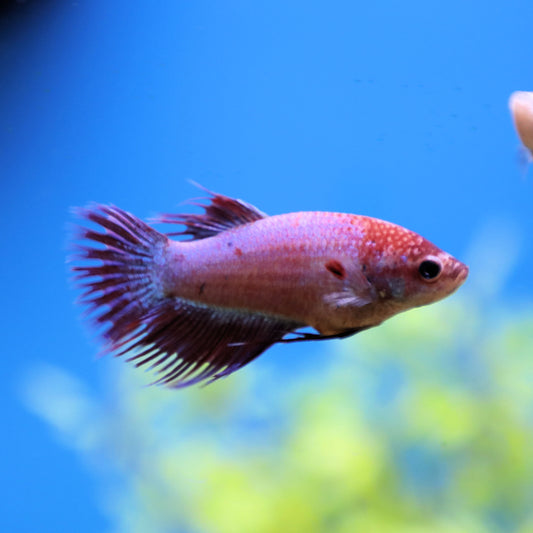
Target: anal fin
186	343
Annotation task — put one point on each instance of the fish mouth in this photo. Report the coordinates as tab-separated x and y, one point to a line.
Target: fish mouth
460	272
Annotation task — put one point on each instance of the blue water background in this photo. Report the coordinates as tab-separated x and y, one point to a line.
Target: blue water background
391	109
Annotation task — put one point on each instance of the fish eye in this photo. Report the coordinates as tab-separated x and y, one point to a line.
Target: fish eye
429	269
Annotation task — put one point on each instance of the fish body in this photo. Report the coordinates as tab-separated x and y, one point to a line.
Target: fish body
320	269
202	308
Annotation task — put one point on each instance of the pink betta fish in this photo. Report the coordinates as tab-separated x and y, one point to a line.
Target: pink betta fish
201	308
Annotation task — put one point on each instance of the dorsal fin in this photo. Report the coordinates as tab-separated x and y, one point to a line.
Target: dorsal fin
221	214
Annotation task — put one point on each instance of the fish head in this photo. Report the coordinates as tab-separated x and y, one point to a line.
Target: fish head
409	271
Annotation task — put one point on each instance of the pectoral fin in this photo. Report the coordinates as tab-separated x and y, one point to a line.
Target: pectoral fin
347	298
306	336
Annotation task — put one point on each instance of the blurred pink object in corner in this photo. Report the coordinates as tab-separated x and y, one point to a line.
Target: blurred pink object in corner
521	105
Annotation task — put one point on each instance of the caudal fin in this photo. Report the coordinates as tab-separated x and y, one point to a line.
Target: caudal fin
115	268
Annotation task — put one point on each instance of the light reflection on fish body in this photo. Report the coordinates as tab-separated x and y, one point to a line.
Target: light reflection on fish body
201	308
521	106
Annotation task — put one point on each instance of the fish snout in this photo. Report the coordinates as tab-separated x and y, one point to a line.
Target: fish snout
459	272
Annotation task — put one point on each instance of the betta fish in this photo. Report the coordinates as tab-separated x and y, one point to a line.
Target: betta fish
200	308
521	105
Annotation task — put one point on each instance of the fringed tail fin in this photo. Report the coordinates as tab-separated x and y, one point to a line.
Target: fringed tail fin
116	270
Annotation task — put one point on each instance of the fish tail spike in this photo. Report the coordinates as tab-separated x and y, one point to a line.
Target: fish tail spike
114	265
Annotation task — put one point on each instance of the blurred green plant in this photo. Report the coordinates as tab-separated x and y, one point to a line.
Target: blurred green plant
422	424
